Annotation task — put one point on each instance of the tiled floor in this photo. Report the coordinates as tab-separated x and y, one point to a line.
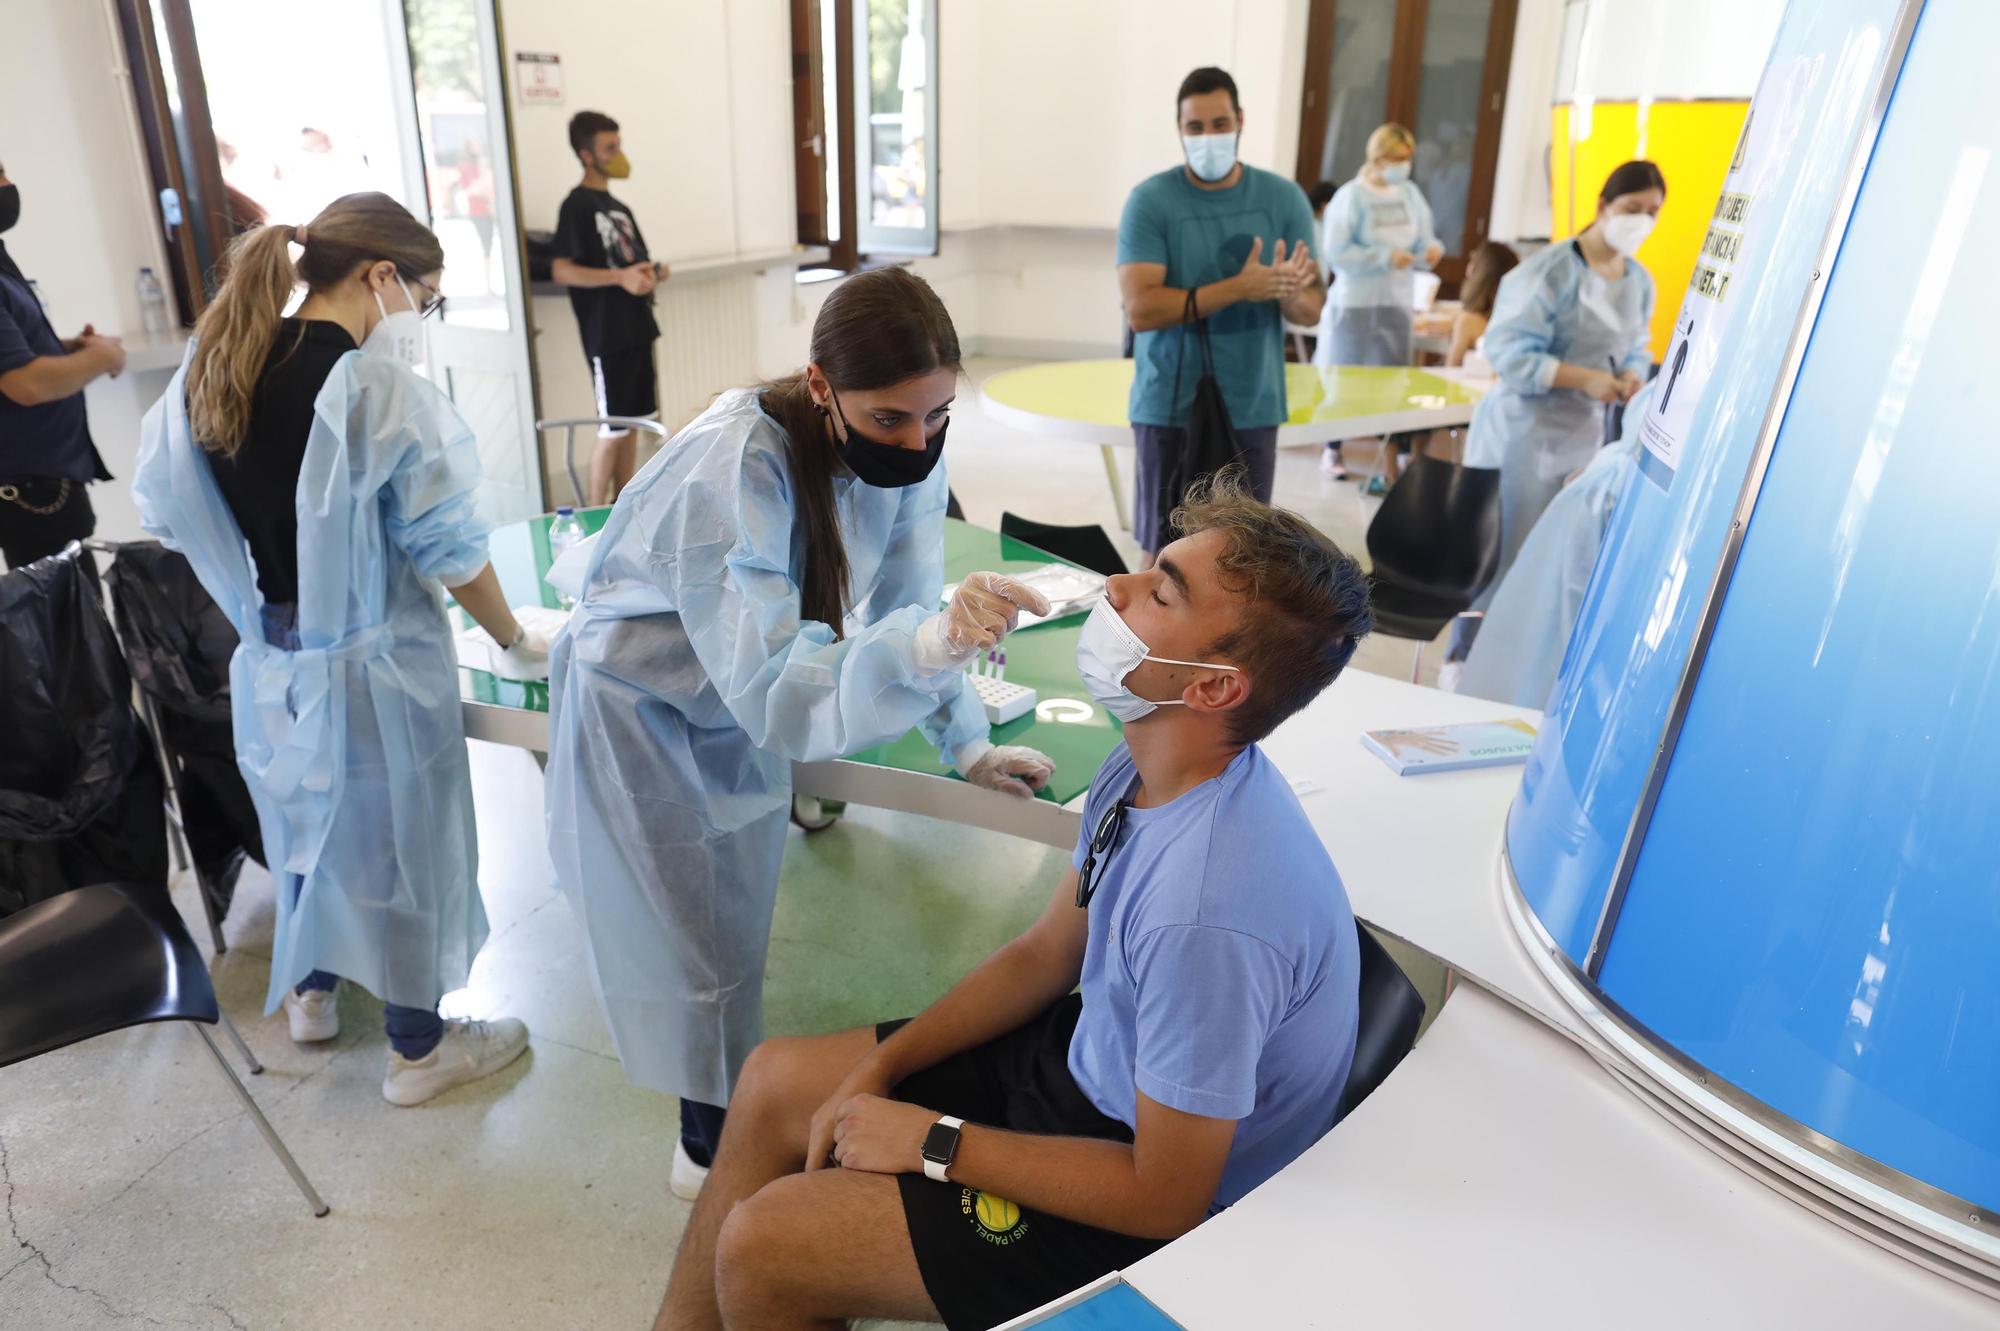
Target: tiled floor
137	1193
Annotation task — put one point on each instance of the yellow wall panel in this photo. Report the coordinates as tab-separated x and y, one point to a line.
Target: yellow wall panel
1691	142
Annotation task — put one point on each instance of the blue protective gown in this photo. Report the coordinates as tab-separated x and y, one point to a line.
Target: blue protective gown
682	690
1520	647
352	746
1549	311
1367	318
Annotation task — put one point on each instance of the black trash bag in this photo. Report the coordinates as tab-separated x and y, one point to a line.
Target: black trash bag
178	644
1211	437
80	792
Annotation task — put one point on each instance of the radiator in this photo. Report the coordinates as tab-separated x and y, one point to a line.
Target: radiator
708	342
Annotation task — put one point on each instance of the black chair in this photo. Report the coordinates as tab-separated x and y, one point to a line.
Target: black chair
1391	1012
1432	546
1086	546
101	958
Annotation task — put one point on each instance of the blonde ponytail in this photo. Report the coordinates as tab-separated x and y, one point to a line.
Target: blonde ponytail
234	337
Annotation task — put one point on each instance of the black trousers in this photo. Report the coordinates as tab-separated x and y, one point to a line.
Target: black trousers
39	515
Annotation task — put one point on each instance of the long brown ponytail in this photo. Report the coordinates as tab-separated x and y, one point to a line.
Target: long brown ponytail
877	329
235	333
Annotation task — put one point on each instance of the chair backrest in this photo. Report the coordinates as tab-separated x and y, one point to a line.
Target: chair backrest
1391	1012
1087	546
93	960
177	641
1438	530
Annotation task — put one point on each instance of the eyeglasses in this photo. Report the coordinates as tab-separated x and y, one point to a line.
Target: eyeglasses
433	304
1102	843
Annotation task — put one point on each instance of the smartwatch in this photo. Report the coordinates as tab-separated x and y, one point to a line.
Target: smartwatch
940	1145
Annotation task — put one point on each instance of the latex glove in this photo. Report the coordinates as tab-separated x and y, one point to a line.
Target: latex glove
528	658
983	610
1012	768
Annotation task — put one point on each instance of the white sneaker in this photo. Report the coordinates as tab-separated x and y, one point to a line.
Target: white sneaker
1331	466
687	1176
469	1050
314	1015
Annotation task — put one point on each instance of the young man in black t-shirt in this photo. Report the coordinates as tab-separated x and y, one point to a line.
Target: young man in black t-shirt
602	259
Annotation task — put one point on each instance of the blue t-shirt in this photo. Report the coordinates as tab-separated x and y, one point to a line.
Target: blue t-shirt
1203	236
52	438
1222	972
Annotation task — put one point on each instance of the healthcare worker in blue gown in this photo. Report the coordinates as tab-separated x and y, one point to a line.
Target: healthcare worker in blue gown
1569	337
1521	643
322	492
766	591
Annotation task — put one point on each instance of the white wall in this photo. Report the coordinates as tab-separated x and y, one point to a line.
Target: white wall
67	139
1521	179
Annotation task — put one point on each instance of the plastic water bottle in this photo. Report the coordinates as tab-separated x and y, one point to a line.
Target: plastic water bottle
564	532
153	303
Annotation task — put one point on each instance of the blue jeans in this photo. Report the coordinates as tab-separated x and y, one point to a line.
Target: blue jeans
413	1031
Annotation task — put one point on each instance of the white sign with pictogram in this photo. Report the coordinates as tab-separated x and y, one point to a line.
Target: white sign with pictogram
540	74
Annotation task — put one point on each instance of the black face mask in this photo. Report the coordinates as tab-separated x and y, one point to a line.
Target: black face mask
10	206
885	465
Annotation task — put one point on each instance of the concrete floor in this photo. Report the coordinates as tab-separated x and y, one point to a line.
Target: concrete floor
137	1192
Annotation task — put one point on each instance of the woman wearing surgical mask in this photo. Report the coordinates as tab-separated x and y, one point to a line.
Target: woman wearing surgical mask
1569	336
765	592
1374	232
322	491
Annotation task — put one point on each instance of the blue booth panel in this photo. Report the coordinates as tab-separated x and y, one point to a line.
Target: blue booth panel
1815	911
1638	620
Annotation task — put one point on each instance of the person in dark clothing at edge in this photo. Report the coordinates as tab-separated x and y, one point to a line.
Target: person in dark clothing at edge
46	453
602	259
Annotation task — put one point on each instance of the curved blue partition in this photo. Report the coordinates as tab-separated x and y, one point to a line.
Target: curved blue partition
1638	620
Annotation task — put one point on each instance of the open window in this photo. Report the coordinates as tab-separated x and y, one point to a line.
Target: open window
865	121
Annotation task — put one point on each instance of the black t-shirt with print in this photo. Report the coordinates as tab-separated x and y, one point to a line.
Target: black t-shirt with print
596	231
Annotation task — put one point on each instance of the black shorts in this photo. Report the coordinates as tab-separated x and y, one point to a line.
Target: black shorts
39	515
626	383
985	1260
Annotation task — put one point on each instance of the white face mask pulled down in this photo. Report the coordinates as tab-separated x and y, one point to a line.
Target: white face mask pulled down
398	335
1107	650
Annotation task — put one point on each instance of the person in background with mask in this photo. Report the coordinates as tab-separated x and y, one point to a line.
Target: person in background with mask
1240	240
1176	1028
602	259
765	592
322	491
1568	337
47	456
1376	229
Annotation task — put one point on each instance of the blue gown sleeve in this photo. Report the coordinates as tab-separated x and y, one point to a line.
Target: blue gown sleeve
1520	339
721	546
430	494
1640	359
1343	249
913	574
1420	212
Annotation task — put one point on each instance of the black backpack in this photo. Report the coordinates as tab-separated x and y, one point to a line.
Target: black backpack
1211	438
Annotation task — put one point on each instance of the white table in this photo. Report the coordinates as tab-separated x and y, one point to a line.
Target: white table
1500	1178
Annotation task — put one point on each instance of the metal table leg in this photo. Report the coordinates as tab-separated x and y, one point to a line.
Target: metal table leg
1118	503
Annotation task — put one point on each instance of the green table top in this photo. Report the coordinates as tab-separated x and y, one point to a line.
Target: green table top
1065	724
1095	392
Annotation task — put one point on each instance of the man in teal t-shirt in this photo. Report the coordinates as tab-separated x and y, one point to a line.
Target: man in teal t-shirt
1241	240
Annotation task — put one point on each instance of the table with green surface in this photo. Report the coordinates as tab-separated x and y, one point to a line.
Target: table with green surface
1084	401
906	774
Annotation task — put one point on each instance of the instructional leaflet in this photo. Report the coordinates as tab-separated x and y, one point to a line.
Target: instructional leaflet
1452	748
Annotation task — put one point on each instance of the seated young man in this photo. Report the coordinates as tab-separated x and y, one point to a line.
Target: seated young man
1209	1044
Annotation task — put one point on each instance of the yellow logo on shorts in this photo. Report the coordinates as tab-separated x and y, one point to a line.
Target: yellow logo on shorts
995	1219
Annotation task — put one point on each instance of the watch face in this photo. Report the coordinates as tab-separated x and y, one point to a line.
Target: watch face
940	1143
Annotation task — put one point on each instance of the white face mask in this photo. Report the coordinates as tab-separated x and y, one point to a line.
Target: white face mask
1107	650
1210	156
1626	232
399	336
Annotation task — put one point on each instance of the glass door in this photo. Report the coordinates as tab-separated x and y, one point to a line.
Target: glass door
452	113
